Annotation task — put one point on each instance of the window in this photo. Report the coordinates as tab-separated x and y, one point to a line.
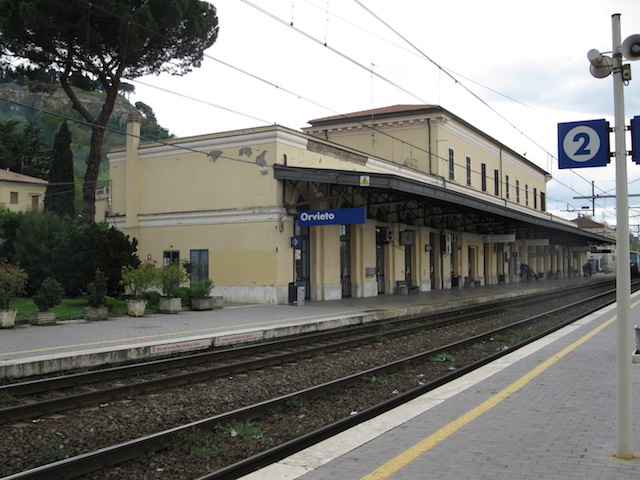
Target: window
200	260
506	186
170	256
517	191
483	176
468	171
452	165
535	198
543	202
496	182
14	197
526	195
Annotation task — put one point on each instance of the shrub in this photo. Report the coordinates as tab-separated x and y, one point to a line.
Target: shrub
138	280
97	290
201	288
169	278
184	294
152	297
49	294
13	281
110	303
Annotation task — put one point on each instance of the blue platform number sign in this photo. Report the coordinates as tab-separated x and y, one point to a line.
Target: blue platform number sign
583	144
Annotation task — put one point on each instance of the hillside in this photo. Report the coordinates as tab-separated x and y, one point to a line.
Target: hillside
30	106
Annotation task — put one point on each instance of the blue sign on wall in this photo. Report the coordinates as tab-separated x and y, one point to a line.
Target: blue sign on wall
343	216
583	144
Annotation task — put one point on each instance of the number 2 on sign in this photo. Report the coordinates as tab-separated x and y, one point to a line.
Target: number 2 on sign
581	143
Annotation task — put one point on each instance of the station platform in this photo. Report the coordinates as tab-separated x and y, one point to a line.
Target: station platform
547	411
27	350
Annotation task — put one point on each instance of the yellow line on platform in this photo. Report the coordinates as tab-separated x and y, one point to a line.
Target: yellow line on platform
399	462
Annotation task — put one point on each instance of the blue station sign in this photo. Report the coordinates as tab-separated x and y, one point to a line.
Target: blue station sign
342	216
583	144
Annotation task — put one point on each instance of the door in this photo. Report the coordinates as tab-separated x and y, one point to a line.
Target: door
408	262
432	260
302	273
200	261
345	260
380	266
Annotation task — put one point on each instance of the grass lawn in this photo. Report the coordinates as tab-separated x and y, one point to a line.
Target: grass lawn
68	308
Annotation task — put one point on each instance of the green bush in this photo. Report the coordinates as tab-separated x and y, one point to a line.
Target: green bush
169	278
110	303
46	245
184	294
152	297
13	281
97	290
138	280
49	294
201	288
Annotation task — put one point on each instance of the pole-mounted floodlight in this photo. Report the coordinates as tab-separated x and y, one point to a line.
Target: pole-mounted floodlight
601	67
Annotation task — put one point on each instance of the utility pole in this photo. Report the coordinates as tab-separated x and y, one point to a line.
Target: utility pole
601	67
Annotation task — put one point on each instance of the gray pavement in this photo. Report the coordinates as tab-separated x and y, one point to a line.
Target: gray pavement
547	411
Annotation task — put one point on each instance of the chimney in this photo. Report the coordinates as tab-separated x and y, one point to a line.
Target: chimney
132	171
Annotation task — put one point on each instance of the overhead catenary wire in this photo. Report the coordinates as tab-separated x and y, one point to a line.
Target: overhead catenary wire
446	71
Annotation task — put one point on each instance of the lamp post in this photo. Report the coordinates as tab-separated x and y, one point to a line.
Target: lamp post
602	66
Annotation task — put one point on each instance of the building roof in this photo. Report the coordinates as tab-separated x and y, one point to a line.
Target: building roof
586	222
439	203
381	112
9	176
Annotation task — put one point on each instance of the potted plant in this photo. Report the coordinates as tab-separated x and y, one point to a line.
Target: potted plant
137	281
201	298
12	284
170	277
97	292
48	296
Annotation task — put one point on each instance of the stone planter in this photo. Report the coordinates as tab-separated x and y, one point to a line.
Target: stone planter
170	305
42	318
96	313
136	307
8	318
209	303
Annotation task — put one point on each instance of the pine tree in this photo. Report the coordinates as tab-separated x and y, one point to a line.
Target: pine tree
59	197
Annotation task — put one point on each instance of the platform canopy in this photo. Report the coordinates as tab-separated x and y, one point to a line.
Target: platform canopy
395	199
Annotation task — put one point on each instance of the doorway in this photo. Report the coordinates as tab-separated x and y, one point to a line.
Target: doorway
345	260
380	263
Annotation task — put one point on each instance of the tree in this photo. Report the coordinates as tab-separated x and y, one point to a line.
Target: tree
106	41
59	197
22	148
42	248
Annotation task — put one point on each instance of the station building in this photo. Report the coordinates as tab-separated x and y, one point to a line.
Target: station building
397	200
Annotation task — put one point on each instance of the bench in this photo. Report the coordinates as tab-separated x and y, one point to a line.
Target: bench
471	282
403	289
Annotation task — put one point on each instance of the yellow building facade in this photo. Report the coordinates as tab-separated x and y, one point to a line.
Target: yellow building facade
235	203
21	193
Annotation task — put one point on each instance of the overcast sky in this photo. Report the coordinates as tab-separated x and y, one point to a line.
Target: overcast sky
512	69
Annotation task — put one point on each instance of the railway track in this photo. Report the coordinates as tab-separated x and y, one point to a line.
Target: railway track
57	394
83	464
